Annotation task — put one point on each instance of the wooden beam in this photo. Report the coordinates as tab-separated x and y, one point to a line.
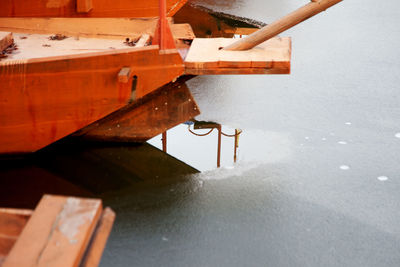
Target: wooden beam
281	25
98	242
84	6
57	233
110	28
6	39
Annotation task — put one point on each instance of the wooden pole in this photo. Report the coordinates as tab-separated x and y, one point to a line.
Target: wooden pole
281	25
164	141
219	146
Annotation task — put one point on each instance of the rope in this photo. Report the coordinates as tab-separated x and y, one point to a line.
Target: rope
200	134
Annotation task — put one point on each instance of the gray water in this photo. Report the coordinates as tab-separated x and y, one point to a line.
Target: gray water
318	177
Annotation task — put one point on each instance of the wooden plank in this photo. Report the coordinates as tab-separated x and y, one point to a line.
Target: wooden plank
148	117
98	242
6	39
57	233
12	222
43	100
206	57
123	75
101	8
109	28
84	6
144	39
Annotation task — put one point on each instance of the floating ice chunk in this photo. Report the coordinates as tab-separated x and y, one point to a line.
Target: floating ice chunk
348	123
383	178
332	134
229	167
342	142
397	135
344	167
164	238
323	139
307	138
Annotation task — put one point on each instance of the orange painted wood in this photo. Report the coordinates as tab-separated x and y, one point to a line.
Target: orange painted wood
98	242
6	39
109	28
84	6
12	222
147	117
57	233
43	100
207	57
101	8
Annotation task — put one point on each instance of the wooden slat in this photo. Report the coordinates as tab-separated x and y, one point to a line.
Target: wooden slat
98	242
6	39
84	6
110	28
206	57
57	233
144	39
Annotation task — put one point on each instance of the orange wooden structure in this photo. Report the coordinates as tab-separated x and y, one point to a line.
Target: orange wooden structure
87	8
61	231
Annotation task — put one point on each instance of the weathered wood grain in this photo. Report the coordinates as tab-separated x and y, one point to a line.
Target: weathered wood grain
57	233
6	39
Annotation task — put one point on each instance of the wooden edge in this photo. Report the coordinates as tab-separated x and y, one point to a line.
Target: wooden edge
97	244
76	56
16	211
234	71
6	39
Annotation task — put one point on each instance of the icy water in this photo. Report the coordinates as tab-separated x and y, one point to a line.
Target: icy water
317	180
318	177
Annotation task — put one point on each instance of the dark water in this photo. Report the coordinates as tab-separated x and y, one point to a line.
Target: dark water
318	177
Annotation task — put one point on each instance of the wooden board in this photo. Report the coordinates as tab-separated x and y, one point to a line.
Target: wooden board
57	233
100	8
148	117
6	39
205	57
98	242
110	28
12	222
45	99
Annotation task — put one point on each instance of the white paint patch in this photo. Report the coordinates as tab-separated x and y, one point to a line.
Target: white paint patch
397	135
342	143
344	167
75	213
383	178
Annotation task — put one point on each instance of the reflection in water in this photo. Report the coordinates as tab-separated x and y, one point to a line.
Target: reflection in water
206	147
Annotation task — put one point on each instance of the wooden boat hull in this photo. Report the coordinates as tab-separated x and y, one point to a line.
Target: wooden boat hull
87	8
43	100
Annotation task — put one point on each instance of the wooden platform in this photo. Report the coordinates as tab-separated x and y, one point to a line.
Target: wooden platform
61	231
206	57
